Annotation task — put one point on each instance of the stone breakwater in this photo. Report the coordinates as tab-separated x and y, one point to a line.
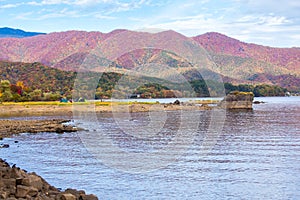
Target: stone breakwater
17	184
11	127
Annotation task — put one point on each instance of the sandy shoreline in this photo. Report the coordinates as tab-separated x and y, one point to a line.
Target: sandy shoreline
24	110
34	110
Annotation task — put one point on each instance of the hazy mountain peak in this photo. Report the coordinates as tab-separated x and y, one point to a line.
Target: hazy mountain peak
7	32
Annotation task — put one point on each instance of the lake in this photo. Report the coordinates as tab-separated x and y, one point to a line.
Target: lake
173	155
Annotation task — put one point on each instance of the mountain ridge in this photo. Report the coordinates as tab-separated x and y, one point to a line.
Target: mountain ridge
7	32
232	58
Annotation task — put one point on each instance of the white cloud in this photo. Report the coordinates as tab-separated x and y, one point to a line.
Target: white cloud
48	14
54	2
265	29
136	19
91	2
289	8
107	6
61	13
52	13
191	24
268	20
295	37
33	3
273	20
264	22
67	2
24	16
6	6
48	2
122	7
100	16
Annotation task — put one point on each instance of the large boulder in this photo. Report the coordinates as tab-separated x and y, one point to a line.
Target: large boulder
16	183
66	196
22	191
238	100
33	180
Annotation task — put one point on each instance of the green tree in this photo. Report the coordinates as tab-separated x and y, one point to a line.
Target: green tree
36	95
51	96
5	91
16	97
6	96
4	85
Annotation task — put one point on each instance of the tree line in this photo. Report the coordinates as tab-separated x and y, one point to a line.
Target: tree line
261	90
19	92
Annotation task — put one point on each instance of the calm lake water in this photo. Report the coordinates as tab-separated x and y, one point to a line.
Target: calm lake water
256	155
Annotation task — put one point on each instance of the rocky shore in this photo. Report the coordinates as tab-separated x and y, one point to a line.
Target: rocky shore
11	127
238	100
17	184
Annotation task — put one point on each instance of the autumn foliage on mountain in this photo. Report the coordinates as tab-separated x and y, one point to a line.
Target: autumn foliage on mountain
36	82
285	58
33	81
235	61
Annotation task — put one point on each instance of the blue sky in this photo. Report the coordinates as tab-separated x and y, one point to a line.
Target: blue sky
266	22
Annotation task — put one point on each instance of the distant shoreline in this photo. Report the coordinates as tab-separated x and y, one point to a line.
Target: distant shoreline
27	109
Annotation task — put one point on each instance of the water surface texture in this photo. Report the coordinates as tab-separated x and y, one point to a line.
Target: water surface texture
255	156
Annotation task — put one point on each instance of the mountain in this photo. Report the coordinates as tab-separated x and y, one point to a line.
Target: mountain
16	33
243	59
48	49
37	76
235	61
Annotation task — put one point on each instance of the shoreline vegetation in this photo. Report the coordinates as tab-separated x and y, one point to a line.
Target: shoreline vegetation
46	85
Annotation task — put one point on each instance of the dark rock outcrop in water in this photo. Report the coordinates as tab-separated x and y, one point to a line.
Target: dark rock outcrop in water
10	127
238	100
177	102
17	184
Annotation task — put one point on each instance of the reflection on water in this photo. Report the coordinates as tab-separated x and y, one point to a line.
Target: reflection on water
256	156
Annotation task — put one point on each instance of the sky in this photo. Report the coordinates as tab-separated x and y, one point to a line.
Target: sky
267	22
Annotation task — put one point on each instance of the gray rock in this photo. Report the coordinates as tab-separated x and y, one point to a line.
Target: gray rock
238	100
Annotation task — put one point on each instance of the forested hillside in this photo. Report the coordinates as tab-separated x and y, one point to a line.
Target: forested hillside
36	82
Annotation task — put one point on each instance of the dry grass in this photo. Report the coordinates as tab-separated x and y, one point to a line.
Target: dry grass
57	103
